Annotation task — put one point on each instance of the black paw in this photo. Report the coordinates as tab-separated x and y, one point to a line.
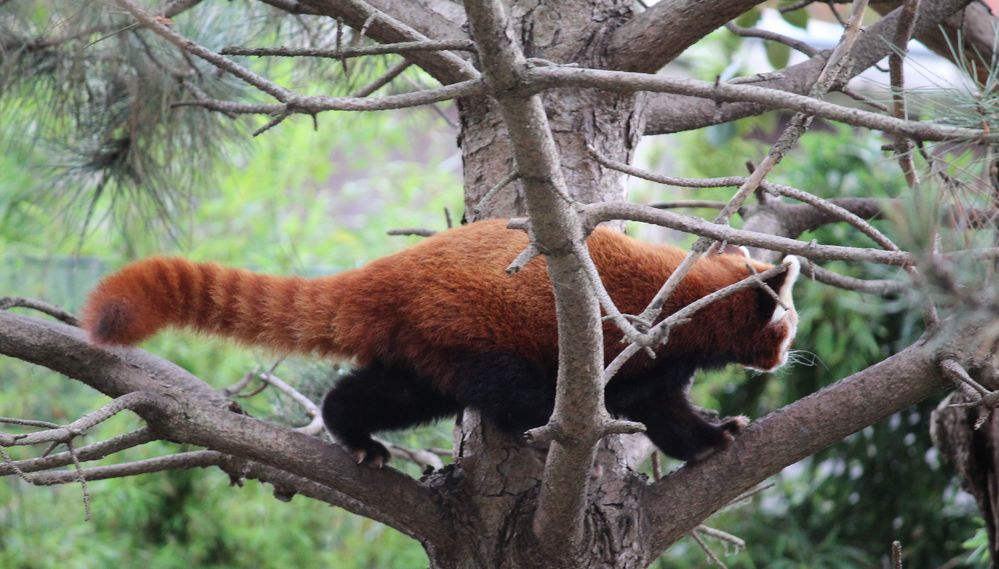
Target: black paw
725	434
732	425
370	453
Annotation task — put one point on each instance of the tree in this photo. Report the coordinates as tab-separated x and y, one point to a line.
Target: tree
553	100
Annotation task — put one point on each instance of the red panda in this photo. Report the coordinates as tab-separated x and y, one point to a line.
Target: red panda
440	326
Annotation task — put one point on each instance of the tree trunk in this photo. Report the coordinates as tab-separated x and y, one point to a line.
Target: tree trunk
496	483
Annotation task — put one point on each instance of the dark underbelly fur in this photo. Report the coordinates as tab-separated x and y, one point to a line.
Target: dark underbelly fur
515	395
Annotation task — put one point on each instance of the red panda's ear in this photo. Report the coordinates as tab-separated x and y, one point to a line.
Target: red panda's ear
783	285
716	248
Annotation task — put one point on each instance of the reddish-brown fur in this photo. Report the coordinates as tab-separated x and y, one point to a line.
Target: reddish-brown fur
449	292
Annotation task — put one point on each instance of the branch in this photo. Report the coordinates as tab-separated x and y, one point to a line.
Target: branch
41	306
579	409
179	461
903	146
312	105
94	451
772	36
598	213
660	333
680	501
618	81
114	371
67	433
178	411
385	79
159	28
656	36
675	113
878	287
397	21
389	48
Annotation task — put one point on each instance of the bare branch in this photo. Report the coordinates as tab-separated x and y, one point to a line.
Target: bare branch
689	204
179	461
510	177
381	49
94	451
659	334
879	287
418	231
680	501
771	36
618	81
9	302
799	123
597	213
77	428
579	405
385	79
656	36
903	146
712	558
312	105
114	371
223	63
397	21
674	113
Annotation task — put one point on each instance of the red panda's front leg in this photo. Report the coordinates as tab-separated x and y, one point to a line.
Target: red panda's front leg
659	400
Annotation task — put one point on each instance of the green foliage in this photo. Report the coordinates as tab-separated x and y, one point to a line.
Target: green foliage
843	507
278	205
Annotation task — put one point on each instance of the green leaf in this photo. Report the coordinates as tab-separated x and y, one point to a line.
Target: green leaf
748	19
797	18
778	54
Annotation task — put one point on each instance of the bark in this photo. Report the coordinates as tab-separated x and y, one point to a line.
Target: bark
675	113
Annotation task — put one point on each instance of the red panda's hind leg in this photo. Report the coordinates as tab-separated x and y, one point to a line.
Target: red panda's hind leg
510	392
380	397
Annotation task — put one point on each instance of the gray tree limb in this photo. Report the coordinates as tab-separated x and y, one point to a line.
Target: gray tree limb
182	408
396	21
682	500
579	415
675	113
656	36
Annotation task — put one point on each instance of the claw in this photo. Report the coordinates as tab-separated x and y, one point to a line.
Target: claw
359	455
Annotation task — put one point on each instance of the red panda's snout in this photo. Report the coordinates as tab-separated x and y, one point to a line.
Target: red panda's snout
773	342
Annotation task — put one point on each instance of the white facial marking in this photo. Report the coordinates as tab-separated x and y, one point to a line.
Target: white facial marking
784	294
788	317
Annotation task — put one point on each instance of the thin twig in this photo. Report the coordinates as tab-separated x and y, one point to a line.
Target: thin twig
312	105
224	63
797	45
78	427
380	49
692	204
385	79
422	232
81	478
610	211
41	306
903	145
510	177
695	535
95	451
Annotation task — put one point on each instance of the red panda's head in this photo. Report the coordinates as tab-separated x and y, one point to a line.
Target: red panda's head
773	322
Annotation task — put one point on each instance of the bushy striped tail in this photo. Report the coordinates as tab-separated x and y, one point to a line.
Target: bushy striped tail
144	297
